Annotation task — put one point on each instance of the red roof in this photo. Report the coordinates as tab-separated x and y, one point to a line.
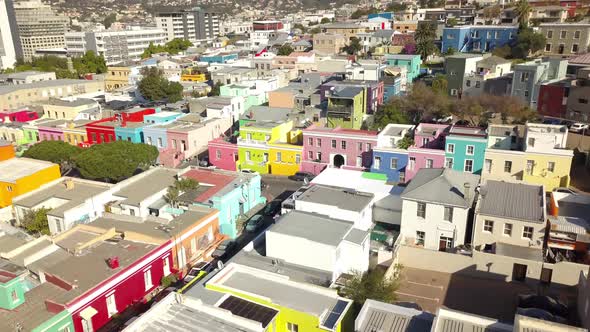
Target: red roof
215	180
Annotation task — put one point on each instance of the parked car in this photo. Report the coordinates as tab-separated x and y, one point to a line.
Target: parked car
223	249
543	302
198	270
564	190
249	171
255	223
302	176
272	208
578	127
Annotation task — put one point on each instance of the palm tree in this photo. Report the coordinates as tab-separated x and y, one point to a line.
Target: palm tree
523	11
186	184
424	36
172	196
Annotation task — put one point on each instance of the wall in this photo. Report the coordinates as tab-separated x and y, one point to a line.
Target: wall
460	152
57	323
361	219
551	180
281	99
393	174
584	299
6	289
481	237
27	183
288	164
281	246
553	100
352	257
228	153
498	159
420	156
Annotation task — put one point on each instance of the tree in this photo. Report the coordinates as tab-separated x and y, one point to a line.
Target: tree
115	161
57	152
450	51
422	102
370	285
424	36
90	63
285	50
527	42
353	47
325	20
186	184
523	11
172	196
215	89
405	142
452	21
491	12
502	52
35	221
388	113
300	27
174	46
109	20
154	86
315	30
396	7
440	84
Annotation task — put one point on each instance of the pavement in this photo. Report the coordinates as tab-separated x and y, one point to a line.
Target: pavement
279	187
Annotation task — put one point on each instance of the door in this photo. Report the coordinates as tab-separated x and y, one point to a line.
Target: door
87	325
519	272
445	243
546	275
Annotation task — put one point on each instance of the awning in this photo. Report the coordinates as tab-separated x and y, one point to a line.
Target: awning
87	313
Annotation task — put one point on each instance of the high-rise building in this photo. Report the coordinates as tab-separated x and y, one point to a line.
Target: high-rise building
115	45
194	25
39	27
10	46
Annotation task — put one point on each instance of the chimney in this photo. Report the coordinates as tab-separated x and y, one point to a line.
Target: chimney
466	187
69	183
113	262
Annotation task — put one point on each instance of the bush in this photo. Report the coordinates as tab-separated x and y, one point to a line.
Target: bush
168	280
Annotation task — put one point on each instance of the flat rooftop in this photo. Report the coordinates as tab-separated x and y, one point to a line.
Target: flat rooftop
14	169
70	103
9	242
468	131
215	182
66	194
345	199
354	180
145	185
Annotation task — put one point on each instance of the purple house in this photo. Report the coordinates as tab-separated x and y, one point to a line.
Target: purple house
428	149
373	92
51	130
337	147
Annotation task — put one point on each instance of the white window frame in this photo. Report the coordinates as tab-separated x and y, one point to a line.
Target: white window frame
147	278
487	165
450	210
524	232
507	230
551	166
391	161
449	161
402	177
111	306
488	226
505	164
472	150
420	240
429	163
292	327
166	265
451	148
465	166
377	162
423	214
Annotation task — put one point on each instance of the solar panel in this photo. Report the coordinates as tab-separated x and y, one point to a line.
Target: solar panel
335	313
249	310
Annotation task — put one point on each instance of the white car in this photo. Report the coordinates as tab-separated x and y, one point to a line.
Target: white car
578	127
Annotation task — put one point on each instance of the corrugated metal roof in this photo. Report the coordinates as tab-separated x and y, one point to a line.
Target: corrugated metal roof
569	225
443	186
512	200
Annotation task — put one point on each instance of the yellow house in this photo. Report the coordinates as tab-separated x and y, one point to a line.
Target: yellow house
190	75
549	169
65	109
21	175
75	132
503	165
117	77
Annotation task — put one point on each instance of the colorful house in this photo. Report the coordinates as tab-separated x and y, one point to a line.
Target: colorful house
23	115
6	150
218	57
193	75
259	139
232	193
373	92
388	157
346	107
223	154
255	92
428	149
337	147
75	132
15	133
465	149
22	175
477	38
411	62
162	117
51	130
129	126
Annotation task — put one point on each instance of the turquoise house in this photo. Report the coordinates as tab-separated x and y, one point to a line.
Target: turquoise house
57	323
219	57
132	132
465	149
250	98
234	194
410	61
162	117
12	286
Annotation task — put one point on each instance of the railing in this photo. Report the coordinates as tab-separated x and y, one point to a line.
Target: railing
251	142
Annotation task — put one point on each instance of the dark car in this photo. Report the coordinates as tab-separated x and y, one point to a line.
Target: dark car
546	303
223	249
199	269
302	176
272	208
255	223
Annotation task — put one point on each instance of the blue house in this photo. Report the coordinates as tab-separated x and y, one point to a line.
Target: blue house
465	149
411	62
477	38
132	132
385	15
388	158
162	117
219	57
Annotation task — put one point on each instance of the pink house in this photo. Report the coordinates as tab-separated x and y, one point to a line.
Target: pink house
337	147
51	130
428	149
24	115
223	154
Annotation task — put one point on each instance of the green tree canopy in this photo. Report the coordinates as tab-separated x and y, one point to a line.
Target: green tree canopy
396	7
154	86
35	221
371	285
174	46
389	113
527	42
354	46
109	20
300	27
90	63
523	11
440	84
325	20
215	89
285	50
424	36
363	12
57	152
115	161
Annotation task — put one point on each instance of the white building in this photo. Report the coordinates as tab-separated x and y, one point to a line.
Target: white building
235	27
544	138
10	44
317	241
115	45
435	208
194	25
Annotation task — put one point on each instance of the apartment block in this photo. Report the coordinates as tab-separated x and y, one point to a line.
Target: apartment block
195	25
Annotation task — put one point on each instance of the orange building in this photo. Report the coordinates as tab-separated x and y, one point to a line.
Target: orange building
6	150
20	175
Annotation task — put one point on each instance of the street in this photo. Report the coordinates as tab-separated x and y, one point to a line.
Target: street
279	186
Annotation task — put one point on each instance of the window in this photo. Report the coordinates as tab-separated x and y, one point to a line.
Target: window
174	144
319	142
497	35
111	305
420	237
393	163
453	92
575	48
279	157
524	77
421	211
310	155
265	157
368	146
445	243
550	34
248	155
310	141
343	145
577	34
298	158
166	266
582	100
469	150
468	83
412	163
527	232
360	145
159	142
551	166
468	167
507	166
14	296
451	148
429	163
9	188
488	165
333	143
448	214
249	136
530	164
488	226
507	229
547	47
377	162
531	142
562	34
425	140
448	162
359	161
147	279
477	84
319	156
292	327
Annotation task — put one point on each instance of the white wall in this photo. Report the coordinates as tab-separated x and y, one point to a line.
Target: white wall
362	220
433	224
352	257
300	251
481	237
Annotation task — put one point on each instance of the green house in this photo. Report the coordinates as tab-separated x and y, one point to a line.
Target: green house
251	96
12	285
253	148
346	108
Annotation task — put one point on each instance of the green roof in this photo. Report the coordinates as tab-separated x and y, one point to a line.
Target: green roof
374	176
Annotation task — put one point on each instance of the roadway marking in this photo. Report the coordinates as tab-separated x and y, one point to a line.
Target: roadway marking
427	285
436	299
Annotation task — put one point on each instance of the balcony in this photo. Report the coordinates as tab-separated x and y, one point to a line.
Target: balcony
340	111
252	142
